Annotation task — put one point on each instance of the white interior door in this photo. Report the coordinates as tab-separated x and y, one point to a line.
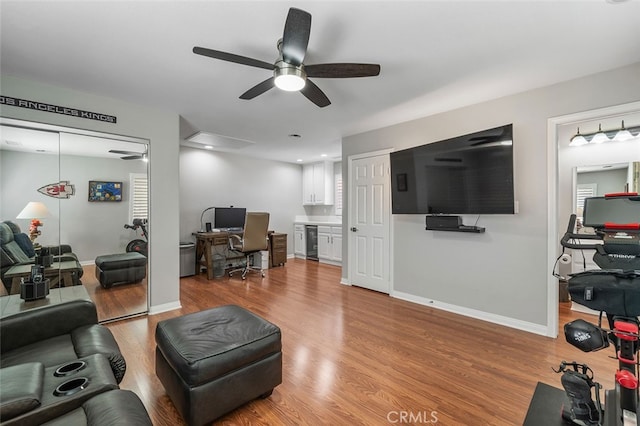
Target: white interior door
369	223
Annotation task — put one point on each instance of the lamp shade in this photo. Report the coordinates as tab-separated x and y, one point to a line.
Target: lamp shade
623	134
600	136
34	210
578	139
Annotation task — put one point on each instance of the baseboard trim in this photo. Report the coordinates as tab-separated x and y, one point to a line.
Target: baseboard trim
344	281
474	313
164	308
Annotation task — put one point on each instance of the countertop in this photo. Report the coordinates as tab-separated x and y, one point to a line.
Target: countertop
318	220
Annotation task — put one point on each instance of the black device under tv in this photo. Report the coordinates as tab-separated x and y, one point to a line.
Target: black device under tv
450	223
229	217
469	174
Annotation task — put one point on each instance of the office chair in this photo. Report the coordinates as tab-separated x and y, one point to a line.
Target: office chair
253	240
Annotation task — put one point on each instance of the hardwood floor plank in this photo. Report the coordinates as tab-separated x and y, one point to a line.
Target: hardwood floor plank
354	356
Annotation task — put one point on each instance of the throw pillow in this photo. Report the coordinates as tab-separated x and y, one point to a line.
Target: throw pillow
25	244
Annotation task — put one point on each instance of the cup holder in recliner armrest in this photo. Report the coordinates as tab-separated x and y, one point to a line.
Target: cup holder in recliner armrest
71	386
69	368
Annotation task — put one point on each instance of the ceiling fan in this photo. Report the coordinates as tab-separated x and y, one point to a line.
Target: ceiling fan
289	71
131	155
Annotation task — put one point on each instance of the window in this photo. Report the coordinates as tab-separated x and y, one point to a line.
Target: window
138	196
338	193
584	190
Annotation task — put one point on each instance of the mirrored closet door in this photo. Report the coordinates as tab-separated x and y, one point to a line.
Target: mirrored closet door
86	194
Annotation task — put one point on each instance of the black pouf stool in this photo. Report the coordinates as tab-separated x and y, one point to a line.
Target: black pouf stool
121	268
212	362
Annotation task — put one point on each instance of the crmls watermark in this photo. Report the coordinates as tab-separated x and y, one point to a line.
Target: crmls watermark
412	417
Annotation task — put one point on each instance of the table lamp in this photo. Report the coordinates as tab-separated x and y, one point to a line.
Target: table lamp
202	227
34	210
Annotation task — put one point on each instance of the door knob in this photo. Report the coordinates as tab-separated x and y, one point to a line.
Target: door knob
353	229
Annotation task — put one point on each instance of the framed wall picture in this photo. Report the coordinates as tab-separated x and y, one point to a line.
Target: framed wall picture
105	191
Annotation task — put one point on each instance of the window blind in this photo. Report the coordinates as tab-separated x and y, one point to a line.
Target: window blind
139	196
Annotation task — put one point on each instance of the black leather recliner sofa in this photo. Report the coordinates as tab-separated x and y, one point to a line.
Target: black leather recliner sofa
56	334
17	249
59	365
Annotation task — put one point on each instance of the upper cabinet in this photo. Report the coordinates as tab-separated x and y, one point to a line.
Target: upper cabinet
317	184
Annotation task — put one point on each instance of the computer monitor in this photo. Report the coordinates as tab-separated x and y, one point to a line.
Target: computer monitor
615	210
229	217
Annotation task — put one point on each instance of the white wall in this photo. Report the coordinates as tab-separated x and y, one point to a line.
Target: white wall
502	272
607	181
210	178
161	128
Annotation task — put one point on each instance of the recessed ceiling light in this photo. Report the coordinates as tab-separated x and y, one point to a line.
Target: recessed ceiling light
208	147
299	160
323	155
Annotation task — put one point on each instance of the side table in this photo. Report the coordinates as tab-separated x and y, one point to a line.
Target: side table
13	304
59	273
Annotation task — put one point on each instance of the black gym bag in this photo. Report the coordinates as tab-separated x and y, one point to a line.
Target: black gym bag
613	291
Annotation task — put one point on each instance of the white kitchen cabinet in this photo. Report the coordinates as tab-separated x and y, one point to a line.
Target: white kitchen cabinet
299	241
324	242
330	244
336	240
317	183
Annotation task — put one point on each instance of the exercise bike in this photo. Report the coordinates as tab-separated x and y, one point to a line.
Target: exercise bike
138	245
615	291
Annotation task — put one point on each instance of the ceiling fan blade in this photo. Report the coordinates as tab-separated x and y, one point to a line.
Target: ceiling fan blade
314	94
296	36
258	89
230	57
132	157
117	151
344	70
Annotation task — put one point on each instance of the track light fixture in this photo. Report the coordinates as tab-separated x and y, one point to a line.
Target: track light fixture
617	135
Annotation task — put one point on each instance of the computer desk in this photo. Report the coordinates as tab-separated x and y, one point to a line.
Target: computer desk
206	244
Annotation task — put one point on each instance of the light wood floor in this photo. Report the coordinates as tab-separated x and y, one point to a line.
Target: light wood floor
118	301
353	356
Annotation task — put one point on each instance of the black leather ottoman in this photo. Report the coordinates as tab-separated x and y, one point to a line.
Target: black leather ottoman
121	268
212	362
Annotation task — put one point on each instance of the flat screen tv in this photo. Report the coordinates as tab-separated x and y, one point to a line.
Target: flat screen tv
470	174
105	191
229	217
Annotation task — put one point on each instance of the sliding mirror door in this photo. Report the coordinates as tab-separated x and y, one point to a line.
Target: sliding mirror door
28	218
99	197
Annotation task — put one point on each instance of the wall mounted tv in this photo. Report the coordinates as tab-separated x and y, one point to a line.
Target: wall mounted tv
105	191
470	174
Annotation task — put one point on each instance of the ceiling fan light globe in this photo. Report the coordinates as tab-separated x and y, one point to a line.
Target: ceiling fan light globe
289	83
289	78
